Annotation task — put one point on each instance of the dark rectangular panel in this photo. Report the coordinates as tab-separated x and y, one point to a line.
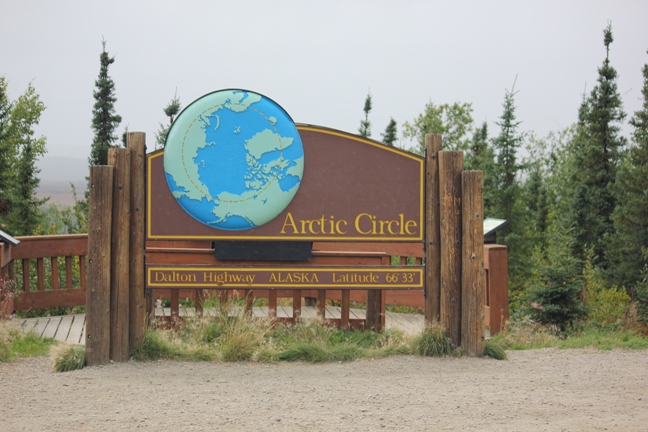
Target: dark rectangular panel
262	250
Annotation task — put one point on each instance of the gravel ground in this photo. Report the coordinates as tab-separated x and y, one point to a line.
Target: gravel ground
553	390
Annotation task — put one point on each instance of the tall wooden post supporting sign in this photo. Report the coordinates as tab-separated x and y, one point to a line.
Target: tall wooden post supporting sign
433	144
99	254
450	167
137	307
472	274
120	265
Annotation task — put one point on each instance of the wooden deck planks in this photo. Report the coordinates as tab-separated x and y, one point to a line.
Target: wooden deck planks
71	328
52	327
64	328
76	330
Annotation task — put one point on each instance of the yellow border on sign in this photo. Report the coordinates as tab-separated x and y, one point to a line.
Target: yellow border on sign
189	285
381	146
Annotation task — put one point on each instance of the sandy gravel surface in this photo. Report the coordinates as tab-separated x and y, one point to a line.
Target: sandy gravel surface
568	390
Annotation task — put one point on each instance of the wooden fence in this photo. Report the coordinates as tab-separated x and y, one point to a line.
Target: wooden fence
50	271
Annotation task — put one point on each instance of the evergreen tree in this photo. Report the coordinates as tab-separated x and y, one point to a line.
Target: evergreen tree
104	119
365	125
507	186
630	216
171	111
539	206
25	215
7	155
554	299
596	150
506	200
480	157
391	134
454	122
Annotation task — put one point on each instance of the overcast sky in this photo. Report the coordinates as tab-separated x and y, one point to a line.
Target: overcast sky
318	59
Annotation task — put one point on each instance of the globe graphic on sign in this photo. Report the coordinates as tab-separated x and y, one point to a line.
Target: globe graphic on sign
233	159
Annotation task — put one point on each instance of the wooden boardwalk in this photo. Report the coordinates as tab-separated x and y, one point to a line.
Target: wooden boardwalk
71	328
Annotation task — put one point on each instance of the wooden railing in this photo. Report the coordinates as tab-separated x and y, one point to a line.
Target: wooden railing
203	254
48	271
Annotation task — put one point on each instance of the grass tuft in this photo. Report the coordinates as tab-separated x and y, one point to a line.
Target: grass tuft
154	346
66	358
432	342
304	351
239	346
494	351
15	343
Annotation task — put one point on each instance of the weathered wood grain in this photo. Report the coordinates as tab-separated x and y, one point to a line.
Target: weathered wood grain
472	263
433	145
136	142
99	256
120	279
450	167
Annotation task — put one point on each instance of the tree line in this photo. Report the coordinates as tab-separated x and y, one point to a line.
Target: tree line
576	206
576	203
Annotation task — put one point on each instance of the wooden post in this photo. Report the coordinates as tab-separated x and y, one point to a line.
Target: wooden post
345	303
472	263
174	299
119	158
374	306
433	145
321	304
496	261
297	306
97	345
450	167
272	305
137	303
249	302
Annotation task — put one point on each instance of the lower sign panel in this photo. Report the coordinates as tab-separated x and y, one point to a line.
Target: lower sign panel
291	277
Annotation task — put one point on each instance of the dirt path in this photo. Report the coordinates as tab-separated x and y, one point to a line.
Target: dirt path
569	390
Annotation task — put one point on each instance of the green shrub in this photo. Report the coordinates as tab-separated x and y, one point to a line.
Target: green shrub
494	351
68	358
605	305
154	347
554	298
15	343
304	351
432	342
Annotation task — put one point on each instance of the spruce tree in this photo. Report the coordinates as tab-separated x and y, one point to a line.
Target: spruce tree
25	215
480	157
7	155
630	216
391	134
104	119
171	111
596	151
506	145
365	125
554	298
506	199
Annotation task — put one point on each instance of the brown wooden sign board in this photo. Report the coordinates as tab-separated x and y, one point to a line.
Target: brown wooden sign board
285	277
352	189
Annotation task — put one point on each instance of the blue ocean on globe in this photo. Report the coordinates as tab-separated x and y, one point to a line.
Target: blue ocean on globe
233	159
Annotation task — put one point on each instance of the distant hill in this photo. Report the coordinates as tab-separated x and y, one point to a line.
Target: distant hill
57	172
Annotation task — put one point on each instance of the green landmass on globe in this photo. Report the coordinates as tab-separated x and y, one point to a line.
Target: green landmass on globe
233	159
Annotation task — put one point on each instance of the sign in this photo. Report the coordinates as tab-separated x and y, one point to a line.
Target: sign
291	277
351	188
